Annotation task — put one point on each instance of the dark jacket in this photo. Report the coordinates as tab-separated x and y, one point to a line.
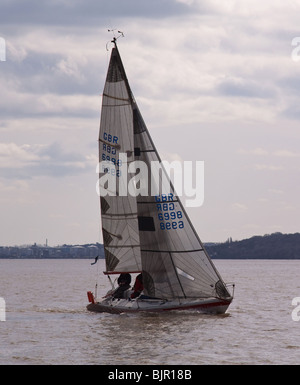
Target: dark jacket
119	292
138	286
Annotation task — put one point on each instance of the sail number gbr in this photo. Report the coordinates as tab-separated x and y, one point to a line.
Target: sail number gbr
169	217
109	153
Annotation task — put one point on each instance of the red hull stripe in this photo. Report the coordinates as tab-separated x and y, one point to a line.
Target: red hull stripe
201	306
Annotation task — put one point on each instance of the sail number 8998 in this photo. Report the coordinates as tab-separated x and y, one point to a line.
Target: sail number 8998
172	216
171	225
167	214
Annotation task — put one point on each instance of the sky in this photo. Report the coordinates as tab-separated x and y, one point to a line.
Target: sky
216	81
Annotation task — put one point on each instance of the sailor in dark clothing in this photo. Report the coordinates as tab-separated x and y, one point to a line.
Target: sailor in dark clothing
138	286
124	281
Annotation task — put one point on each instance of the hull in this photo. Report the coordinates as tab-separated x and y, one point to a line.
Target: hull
207	305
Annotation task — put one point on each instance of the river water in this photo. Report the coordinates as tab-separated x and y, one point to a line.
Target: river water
46	321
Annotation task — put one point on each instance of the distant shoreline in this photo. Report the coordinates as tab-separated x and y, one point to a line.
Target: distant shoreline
269	246
91	259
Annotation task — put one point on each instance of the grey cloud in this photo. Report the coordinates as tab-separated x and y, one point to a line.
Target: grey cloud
51	160
244	88
290	86
39	73
292	83
79	12
291	112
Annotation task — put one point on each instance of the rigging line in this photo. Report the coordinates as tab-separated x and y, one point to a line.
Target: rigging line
121	272
155	202
176	273
117	146
147	150
117	105
111	282
172	251
126	216
117	98
119	236
121	246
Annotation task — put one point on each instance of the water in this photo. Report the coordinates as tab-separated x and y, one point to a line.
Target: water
47	323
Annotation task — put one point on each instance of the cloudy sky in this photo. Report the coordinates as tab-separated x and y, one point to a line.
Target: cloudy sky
216	81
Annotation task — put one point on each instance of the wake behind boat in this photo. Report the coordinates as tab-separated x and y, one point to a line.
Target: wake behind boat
145	234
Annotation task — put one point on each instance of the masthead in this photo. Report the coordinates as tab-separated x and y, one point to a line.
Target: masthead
115	38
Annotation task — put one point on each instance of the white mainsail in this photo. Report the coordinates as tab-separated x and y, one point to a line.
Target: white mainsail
148	233
119	213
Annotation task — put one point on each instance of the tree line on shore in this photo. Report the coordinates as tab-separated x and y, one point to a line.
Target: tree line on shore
269	246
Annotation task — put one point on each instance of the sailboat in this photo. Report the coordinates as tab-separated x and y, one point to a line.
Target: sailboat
146	234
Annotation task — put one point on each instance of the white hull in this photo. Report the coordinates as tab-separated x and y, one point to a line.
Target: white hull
117	306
